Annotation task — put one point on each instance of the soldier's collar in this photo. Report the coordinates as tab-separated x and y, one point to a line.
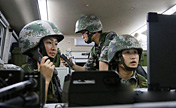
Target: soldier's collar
132	77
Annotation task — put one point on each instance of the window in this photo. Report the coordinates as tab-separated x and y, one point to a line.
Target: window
2	37
3	28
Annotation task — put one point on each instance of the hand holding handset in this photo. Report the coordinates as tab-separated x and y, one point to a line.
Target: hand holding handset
38	56
65	59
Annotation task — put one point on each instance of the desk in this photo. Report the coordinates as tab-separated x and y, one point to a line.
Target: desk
169	104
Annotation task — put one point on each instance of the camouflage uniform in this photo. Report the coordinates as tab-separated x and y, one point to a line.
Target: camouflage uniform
99	52
30	37
116	46
92	24
135	81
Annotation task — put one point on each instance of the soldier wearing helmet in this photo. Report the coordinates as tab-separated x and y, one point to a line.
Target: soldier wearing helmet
38	40
91	28
124	54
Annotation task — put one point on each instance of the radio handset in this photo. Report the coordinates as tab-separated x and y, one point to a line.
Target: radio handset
65	59
38	56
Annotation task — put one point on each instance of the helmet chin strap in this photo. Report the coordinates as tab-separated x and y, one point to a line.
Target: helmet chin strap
125	66
89	38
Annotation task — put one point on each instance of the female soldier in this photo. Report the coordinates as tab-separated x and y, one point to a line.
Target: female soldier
37	39
124	54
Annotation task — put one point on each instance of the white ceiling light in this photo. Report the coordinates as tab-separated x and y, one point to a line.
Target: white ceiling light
170	11
142	29
43	9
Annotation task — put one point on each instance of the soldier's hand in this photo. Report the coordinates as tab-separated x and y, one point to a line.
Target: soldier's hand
65	63
46	67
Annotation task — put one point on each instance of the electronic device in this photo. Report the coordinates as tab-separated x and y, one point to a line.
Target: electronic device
92	88
65	59
18	88
161	59
10	74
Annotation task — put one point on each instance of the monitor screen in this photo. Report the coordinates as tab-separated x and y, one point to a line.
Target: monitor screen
161	59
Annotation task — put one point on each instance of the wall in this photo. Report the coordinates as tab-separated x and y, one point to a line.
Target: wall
67	44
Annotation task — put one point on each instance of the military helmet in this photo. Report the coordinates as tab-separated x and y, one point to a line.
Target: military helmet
121	43
90	23
33	33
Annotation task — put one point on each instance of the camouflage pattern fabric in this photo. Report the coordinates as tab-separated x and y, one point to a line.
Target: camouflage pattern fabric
99	52
90	23
56	61
135	81
120	43
30	37
104	49
34	32
52	96
142	81
29	67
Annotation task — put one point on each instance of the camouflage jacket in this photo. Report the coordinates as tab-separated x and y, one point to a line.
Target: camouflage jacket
99	52
53	96
135	81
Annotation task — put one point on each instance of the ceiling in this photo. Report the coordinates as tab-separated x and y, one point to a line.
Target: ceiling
121	16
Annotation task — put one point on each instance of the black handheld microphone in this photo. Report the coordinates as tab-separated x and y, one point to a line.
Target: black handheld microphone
65	58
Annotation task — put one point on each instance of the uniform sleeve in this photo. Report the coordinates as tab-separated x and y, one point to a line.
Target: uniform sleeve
91	63
104	50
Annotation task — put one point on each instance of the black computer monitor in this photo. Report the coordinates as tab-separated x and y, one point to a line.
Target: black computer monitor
161	59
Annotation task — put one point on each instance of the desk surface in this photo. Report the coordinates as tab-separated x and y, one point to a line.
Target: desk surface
169	104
